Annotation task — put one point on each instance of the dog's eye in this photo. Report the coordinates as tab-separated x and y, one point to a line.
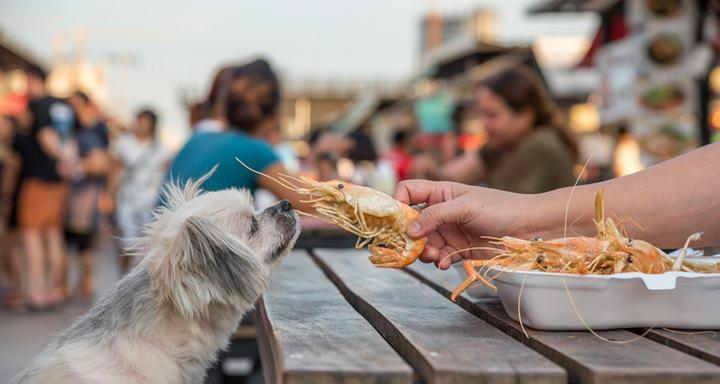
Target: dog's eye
253	225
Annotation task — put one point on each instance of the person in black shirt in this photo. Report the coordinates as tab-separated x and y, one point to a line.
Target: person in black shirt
46	161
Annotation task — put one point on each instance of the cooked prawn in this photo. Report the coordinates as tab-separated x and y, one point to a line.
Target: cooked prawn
378	220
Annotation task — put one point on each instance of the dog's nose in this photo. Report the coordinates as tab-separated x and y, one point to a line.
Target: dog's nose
285	206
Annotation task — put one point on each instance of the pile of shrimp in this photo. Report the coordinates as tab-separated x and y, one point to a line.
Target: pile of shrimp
609	252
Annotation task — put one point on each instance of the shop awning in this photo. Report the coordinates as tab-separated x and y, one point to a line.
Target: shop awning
555	6
12	56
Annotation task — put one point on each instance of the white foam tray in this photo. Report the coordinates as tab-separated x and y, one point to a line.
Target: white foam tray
678	300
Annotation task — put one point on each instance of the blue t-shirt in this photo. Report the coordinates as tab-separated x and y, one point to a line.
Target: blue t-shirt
435	114
204	150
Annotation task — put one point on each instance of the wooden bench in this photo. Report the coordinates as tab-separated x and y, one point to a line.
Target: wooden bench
331	317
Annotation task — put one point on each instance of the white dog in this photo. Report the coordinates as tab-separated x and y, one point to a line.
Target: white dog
207	259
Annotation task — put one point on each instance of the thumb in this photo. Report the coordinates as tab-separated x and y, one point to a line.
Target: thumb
432	217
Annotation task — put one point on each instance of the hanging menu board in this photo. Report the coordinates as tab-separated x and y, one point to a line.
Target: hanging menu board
650	77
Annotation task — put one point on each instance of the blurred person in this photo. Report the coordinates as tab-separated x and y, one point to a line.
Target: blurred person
326	148
433	111
9	262
362	148
83	216
319	164
251	110
46	157
140	162
528	148
329	147
399	155
469	132
210	114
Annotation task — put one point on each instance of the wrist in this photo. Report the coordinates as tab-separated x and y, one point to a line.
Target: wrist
530	223
544	215
560	213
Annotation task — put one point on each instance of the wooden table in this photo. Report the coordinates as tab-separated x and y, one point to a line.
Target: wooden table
329	316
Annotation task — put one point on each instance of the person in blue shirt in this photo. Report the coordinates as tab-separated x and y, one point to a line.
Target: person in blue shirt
250	98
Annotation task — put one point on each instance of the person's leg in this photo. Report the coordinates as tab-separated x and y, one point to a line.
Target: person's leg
31	206
85	246
55	241
14	297
57	265
87	283
5	261
17	270
125	224
35	266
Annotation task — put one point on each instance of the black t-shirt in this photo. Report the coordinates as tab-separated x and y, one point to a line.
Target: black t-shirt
22	145
48	112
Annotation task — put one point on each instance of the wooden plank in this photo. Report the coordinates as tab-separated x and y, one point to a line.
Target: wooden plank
443	342
310	334
704	345
586	358
245	332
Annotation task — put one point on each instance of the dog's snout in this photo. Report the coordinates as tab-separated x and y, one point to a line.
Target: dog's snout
285	206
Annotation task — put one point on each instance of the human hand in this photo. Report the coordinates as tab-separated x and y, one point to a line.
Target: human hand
459	216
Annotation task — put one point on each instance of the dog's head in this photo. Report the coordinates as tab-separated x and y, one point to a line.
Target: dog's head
214	248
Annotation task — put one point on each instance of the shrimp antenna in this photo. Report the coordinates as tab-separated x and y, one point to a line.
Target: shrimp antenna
293	178
453	253
678	262
284	184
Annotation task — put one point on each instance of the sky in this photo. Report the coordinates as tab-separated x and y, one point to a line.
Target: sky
178	44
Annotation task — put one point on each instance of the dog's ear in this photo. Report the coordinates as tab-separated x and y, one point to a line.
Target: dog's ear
175	193
207	265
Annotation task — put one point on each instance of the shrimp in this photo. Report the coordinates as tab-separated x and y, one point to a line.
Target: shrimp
378	220
609	252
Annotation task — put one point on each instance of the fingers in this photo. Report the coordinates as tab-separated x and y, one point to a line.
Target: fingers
436	215
440	257
445	260
430	253
424	191
441	244
414	191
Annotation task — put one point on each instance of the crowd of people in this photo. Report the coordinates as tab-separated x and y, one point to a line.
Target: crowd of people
64	171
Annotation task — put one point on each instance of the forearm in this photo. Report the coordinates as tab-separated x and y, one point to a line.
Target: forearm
50	142
116	175
663	204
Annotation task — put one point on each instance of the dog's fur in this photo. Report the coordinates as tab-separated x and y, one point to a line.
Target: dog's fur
207	258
